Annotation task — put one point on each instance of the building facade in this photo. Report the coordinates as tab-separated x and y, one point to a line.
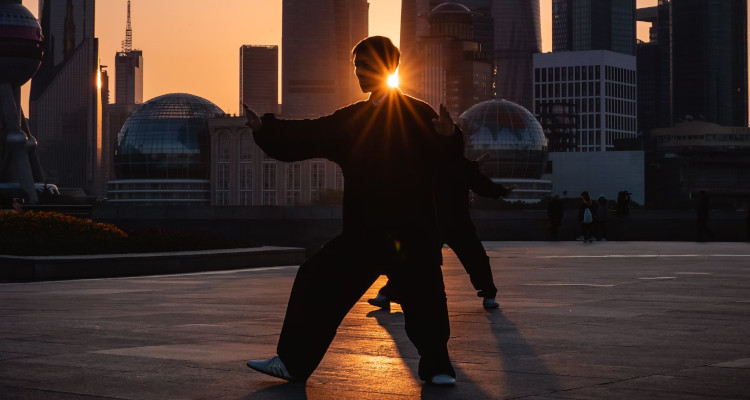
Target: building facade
579	25
509	33
259	78
242	174
695	156
456	72
317	37
655	104
65	101
129	77
602	86
709	53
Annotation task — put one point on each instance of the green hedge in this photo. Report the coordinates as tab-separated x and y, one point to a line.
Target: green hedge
41	233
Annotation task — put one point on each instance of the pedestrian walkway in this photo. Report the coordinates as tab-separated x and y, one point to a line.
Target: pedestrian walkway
615	320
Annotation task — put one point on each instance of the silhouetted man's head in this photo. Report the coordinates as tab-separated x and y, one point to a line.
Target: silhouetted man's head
375	59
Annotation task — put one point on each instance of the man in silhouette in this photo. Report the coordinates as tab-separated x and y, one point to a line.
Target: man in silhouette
389	147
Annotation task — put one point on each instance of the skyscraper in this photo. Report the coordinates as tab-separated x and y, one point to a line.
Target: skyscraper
317	37
509	33
654	60
709	53
65	100
456	73
129	77
517	37
259	78
593	25
129	70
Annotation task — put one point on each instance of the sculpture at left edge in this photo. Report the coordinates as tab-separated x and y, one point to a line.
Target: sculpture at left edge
20	56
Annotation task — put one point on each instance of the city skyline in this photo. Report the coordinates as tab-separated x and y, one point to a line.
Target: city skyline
170	51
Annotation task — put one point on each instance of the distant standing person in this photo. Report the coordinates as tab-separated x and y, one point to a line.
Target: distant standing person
390	149
586	215
622	210
555	215
458	231
702	214
601	219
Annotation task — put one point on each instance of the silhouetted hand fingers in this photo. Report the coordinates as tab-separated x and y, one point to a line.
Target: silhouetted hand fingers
253	119
444	123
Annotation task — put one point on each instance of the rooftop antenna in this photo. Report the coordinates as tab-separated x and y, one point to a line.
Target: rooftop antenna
127	44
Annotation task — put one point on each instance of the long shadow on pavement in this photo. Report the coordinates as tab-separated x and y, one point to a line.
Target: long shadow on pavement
525	373
465	388
287	391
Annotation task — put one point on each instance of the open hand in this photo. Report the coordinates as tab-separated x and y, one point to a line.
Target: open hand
253	119
444	123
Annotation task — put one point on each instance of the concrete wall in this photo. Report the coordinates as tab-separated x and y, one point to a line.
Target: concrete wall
311	227
599	173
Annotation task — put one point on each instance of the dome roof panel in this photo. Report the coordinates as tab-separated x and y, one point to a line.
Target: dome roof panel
451	8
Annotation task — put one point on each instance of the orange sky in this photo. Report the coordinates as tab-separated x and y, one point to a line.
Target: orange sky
193	46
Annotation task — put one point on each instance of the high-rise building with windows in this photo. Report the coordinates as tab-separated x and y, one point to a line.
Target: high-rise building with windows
655	71
456	73
602	86
65	100
593	25
129	77
259	78
509	33
517	37
317	37
709	54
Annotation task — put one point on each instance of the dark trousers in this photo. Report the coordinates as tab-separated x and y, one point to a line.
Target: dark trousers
464	241
329	284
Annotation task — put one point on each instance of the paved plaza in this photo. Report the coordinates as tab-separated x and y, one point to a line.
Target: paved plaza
614	320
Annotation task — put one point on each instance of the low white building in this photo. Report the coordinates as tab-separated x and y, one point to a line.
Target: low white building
599	173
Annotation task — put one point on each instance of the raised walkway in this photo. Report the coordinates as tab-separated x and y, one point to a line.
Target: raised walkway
615	320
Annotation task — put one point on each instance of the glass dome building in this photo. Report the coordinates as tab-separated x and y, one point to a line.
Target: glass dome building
162	152
515	143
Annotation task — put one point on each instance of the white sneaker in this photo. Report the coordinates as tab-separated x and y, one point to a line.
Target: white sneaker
579	238
604	240
273	366
490	304
443	380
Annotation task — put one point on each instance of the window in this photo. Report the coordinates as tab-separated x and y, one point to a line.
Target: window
317	179
293	184
269	183
222	171
246	184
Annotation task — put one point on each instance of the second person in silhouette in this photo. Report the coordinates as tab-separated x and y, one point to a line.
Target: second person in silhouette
457	229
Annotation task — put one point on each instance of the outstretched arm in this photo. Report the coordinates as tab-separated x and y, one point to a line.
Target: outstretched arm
480	183
253	119
294	140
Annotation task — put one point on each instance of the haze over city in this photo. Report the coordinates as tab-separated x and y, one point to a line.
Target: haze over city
194	48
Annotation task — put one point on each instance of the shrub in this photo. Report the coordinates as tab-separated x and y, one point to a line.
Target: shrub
42	233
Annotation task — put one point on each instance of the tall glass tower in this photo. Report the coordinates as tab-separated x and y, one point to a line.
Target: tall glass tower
65	99
508	31
709	52
593	25
317	74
